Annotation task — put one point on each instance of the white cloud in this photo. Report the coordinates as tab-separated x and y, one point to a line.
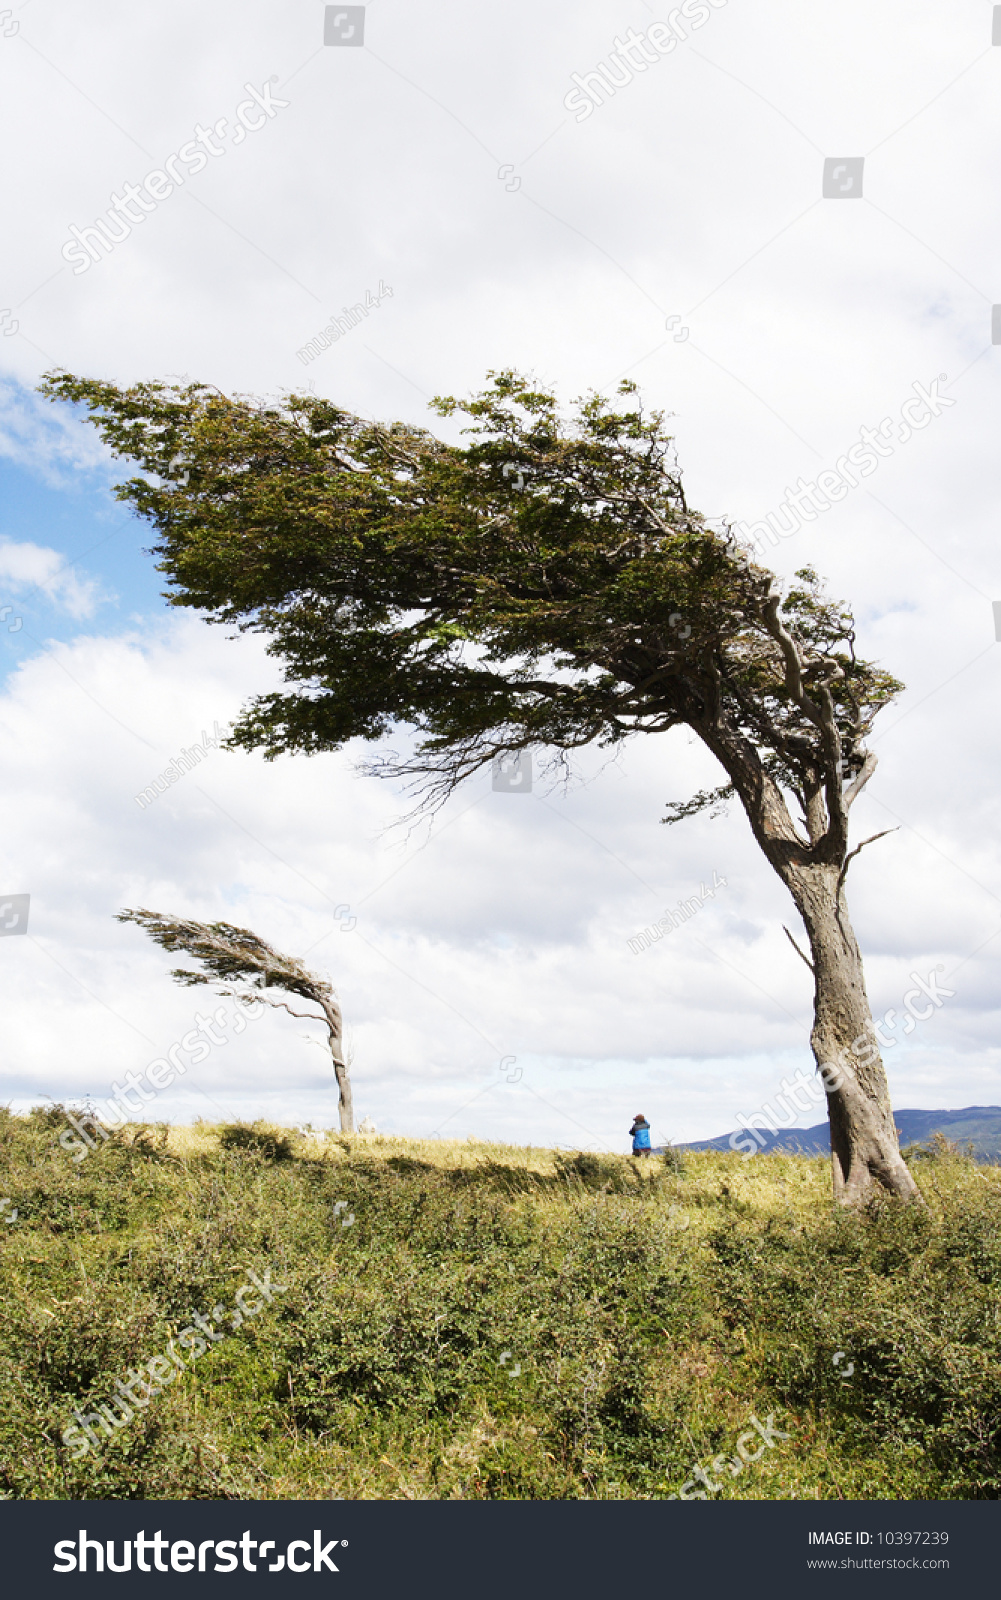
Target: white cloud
28	567
46	438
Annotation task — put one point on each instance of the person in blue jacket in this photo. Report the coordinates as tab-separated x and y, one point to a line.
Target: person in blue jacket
640	1135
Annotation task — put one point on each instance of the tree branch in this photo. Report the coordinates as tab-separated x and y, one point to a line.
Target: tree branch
790	652
265	999
822	715
849	858
796	947
852	793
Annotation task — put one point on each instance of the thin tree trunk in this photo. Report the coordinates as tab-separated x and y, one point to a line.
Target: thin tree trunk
345	1103
864	1147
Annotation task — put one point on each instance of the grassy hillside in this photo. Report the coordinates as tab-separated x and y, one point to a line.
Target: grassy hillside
478	1321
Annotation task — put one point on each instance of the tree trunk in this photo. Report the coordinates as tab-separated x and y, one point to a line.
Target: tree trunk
864	1148
345	1103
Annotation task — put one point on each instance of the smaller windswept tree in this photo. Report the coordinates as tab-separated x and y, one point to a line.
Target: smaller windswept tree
245	967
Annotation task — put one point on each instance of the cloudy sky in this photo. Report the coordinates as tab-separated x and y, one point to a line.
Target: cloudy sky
675	231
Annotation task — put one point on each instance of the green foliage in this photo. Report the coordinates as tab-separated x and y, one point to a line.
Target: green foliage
545	583
228	955
913	1309
492	1323
607	1174
257	1139
674	1161
937	1148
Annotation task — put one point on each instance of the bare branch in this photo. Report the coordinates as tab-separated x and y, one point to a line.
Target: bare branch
849	858
822	715
796	947
852	793
265	999
793	662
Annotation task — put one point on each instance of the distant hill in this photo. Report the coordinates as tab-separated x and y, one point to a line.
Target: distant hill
976	1125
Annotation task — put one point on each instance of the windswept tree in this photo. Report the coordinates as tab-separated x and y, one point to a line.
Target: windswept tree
245	967
545	584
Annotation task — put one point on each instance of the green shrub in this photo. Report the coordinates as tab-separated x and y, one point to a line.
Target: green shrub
908	1302
257	1139
674	1161
474	1325
605	1173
